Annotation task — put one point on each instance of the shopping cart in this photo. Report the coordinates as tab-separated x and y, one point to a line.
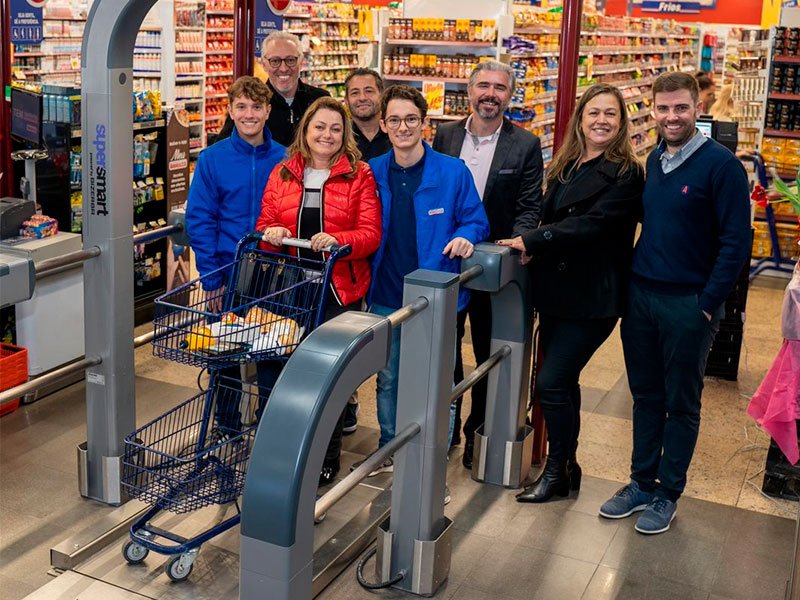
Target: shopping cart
186	459
775	261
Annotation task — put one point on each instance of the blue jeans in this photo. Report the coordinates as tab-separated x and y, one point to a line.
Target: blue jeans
386	391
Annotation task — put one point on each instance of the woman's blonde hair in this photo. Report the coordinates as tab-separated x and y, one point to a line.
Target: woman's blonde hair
300	143
619	150
722	109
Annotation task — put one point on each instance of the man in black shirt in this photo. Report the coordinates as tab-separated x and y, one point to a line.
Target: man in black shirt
363	88
282	59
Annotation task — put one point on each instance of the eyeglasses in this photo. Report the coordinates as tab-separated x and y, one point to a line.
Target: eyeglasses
411	121
275	62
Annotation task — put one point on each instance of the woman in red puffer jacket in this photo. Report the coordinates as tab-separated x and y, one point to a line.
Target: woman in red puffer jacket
324	193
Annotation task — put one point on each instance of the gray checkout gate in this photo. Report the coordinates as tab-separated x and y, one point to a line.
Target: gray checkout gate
279	495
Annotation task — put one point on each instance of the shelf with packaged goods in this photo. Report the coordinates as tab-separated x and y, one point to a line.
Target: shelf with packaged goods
335	53
779	58
189	54
313	68
219	30
222	95
339	39
326	83
610	32
298	31
188	77
219	52
777	96
211	74
137	126
425	78
447	117
782	133
453	43
219	13
303	15
332	20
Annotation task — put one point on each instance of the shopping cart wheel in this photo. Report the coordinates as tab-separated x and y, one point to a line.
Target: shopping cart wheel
179	567
134	553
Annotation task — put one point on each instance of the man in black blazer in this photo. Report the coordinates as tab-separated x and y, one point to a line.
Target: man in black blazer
506	163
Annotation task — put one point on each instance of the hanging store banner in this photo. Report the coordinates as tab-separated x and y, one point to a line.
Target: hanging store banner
269	18
26	21
743	12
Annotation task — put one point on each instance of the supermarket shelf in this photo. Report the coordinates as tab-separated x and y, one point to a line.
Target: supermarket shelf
195	151
607	32
439	43
138	125
297	16
149	74
339	39
325	83
638	114
447	117
219	52
774	96
195	123
424	78
187	28
188	100
332	20
220	30
782	133
51	71
335	53
188	77
136	50
335	68
182	54
223	95
298	31
785	59
63	37
77	19
224	13
212	118
219	74
641	148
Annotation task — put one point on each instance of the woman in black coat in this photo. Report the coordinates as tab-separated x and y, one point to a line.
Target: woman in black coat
580	260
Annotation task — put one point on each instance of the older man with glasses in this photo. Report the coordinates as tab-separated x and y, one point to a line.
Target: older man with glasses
282	59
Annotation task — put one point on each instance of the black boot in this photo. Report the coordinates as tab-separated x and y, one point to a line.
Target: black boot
575	472
553	480
469	449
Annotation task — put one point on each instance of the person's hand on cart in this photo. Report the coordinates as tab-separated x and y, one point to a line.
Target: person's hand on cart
322	240
275	235
214	298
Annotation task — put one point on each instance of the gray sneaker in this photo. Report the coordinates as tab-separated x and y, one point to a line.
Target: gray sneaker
657	516
625	502
386	467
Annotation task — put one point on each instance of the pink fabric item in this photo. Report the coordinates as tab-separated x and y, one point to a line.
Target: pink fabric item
775	404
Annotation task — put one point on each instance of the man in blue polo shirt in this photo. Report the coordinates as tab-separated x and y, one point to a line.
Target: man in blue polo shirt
432	217
695	240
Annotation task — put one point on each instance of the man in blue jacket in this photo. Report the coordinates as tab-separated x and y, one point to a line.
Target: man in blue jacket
225	196
432	217
695	240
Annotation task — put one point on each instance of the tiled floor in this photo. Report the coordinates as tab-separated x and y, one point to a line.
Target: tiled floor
716	549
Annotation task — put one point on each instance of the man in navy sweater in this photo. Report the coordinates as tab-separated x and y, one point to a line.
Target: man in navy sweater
694	242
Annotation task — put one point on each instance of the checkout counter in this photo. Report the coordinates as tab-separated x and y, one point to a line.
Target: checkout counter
50	324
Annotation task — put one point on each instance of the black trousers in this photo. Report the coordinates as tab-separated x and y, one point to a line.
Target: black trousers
666	340
567	345
479	311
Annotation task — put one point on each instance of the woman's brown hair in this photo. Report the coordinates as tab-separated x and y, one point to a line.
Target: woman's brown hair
619	150
300	144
